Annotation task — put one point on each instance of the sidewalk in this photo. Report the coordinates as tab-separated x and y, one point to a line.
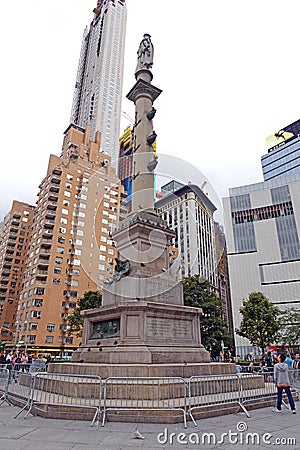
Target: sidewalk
54	434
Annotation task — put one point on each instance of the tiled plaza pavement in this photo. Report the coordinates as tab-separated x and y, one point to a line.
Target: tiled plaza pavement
37	433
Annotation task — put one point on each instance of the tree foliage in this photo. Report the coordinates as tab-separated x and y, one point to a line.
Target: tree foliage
213	327
290	327
260	320
90	300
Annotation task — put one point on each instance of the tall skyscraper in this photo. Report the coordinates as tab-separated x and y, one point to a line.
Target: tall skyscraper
98	88
70	247
14	241
283	157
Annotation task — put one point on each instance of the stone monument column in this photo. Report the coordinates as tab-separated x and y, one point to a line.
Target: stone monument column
143	94
143	320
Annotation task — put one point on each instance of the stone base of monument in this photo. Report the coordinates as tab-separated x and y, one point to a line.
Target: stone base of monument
142	332
143	370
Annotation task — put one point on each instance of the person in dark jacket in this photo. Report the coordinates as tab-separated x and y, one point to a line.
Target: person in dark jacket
281	379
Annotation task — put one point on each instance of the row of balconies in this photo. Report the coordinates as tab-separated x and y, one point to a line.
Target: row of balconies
4	279
47	233
55	179
57	171
54	188
43	262
6	272
49	223
53	197
42	272
50	215
45	251
52	205
46	243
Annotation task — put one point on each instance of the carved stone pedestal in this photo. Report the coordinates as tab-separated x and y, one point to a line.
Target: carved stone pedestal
142	332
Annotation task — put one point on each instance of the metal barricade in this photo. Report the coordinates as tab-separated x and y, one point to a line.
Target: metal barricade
144	394
213	391
61	390
20	381
4	374
295	381
19	387
257	386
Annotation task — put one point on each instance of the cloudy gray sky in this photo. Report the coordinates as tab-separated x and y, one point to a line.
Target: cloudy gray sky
228	71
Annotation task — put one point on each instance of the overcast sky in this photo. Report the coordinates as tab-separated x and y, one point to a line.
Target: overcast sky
229	73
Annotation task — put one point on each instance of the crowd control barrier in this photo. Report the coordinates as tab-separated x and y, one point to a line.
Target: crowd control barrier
257	386
4	374
174	395
211	391
144	394
71	391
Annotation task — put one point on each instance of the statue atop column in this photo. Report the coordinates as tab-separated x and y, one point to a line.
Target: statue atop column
145	54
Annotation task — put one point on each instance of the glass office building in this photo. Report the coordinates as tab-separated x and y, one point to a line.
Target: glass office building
262	224
283	157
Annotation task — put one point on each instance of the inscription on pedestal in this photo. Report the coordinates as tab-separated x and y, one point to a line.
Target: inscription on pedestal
106	329
169	328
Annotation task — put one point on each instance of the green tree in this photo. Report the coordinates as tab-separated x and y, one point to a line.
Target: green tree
90	300
290	328
260	320
213	327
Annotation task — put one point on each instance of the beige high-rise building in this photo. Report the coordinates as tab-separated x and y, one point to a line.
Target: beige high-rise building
14	235
70	249
98	88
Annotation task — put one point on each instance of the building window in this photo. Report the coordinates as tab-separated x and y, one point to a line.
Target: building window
49	340
38	291
50	327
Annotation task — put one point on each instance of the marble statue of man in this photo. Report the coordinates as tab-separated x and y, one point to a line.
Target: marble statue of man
145	54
